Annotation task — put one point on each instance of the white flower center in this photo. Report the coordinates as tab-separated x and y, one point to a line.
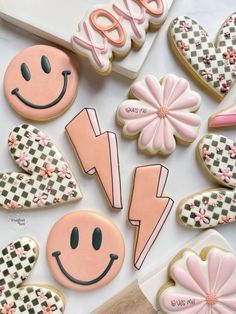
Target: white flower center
211	298
162	112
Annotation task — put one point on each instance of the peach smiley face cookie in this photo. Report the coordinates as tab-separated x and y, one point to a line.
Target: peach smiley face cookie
41	82
85	251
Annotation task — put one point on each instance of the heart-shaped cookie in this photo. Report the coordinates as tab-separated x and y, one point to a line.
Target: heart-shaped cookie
217	154
16	263
214	66
207	209
47	179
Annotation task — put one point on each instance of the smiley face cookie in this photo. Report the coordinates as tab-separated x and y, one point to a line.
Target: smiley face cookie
41	82
16	263
85	251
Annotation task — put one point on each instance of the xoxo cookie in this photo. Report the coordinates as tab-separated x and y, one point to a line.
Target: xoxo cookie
159	113
213	66
97	152
85	251
41	83
200	284
16	263
149	209
223	118
47	179
111	29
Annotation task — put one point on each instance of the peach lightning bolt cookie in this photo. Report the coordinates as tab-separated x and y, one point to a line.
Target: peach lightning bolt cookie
159	113
202	283
213	66
110	29
46	179
149	209
85	251
209	208
16	263
97	152
41	82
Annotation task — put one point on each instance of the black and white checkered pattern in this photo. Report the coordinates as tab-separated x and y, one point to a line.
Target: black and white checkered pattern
184	30
16	263
218	207
32	189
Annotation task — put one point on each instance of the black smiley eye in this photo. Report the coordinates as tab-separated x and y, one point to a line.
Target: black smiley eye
45	64
97	238
74	238
25	72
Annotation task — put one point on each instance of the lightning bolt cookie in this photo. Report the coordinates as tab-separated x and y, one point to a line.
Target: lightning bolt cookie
149	209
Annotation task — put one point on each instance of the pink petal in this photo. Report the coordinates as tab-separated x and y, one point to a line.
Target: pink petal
214	261
134	109
229	302
225	271
167	298
168	87
185	279
169	140
155	89
194	267
189	101
159	136
148	132
185	132
135	126
178	91
142	92
229	288
220	308
186	117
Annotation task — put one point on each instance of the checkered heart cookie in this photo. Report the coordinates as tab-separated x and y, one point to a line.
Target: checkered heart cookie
212	207
214	66
47	179
16	262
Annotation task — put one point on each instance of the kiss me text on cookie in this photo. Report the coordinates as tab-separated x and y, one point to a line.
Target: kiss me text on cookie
112	28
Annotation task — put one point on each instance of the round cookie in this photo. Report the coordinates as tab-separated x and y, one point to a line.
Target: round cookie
85	251
41	82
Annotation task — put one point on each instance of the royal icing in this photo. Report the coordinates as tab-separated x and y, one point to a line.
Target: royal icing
47	179
160	112
85	251
112	27
41	82
201	285
16	263
225	117
149	209
208	209
214	66
97	152
218	155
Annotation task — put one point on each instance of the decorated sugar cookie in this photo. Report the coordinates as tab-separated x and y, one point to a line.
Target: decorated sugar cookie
213	66
200	284
207	209
149	209
41	82
223	118
16	263
97	152
110	29
85	251
46	179
217	155
160	113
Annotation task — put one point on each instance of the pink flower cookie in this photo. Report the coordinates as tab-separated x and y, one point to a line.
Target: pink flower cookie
200	284
160	112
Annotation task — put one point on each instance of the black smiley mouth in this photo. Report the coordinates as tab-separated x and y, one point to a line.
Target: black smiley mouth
57	254
51	104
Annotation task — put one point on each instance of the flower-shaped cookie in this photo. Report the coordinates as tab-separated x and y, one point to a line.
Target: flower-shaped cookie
205	284
206	209
160	112
47	179
16	263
